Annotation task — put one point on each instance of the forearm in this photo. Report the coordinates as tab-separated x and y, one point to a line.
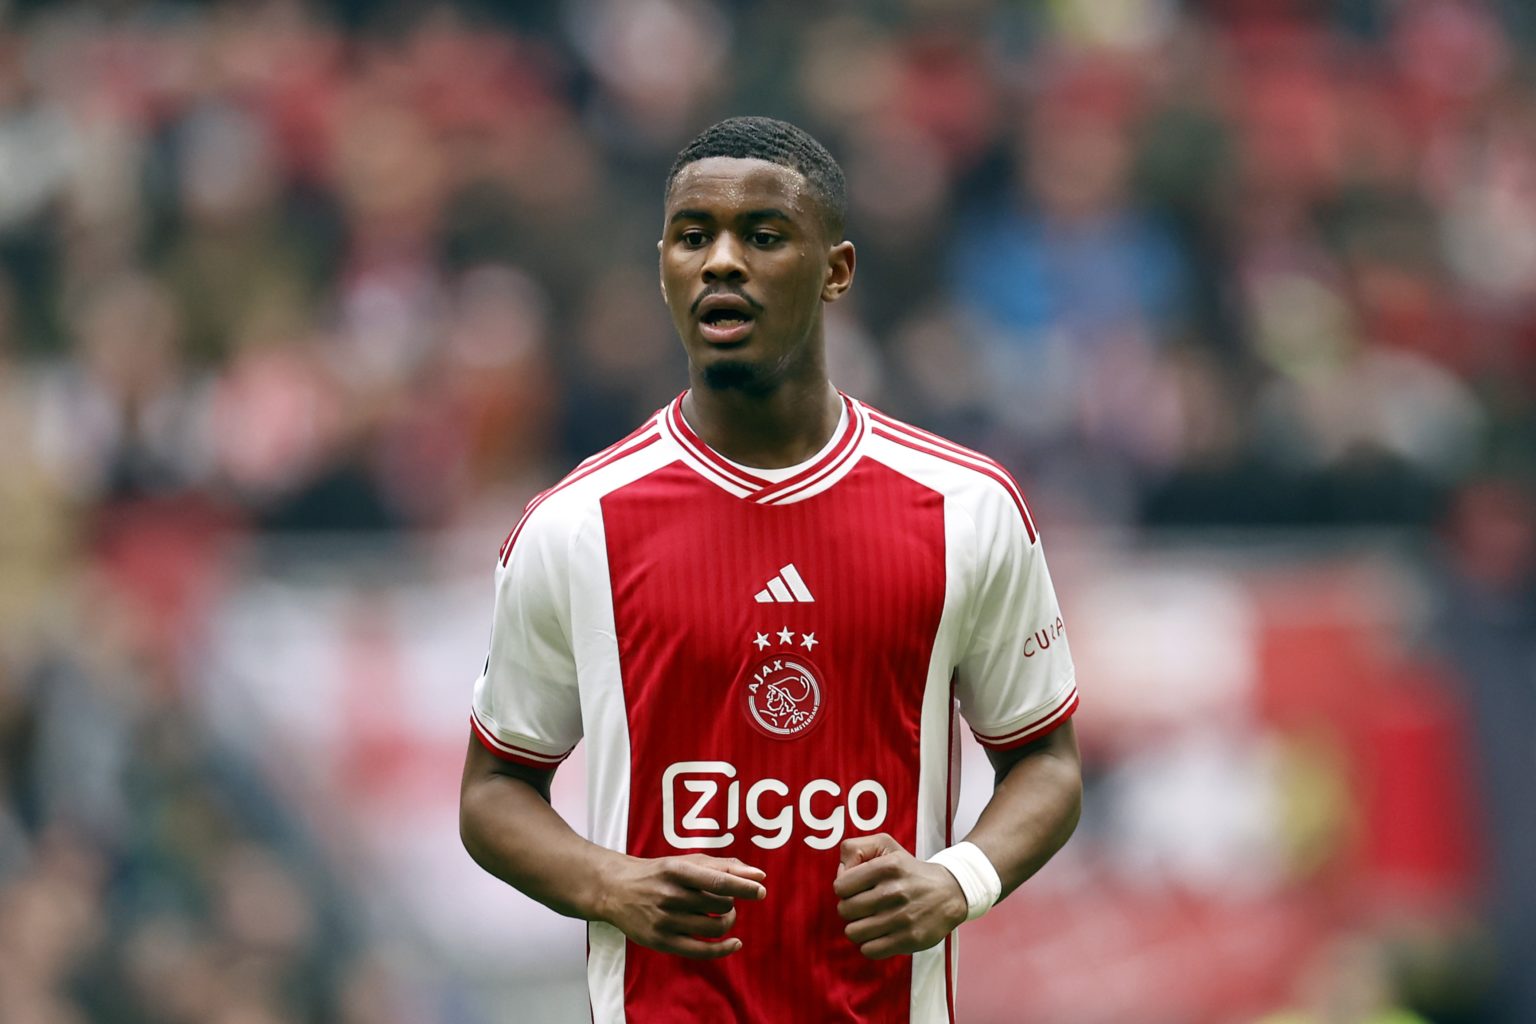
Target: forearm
1034	807
511	831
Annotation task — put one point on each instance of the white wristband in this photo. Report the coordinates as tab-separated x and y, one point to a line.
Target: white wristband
976	875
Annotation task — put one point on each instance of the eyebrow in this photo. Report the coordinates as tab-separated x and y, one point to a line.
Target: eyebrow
767	213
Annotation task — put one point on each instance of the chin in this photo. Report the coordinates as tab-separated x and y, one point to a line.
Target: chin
737	375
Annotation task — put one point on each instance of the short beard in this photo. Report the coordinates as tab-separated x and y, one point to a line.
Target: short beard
748	378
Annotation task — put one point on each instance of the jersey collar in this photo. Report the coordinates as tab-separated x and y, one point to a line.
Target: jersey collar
823	470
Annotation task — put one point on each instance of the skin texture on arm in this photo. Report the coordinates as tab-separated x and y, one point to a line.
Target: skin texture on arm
682	905
895	903
1035	806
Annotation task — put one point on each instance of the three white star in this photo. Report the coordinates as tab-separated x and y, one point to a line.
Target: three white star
762	641
809	640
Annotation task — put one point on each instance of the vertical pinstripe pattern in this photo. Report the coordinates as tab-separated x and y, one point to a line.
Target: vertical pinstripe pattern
869	562
686	560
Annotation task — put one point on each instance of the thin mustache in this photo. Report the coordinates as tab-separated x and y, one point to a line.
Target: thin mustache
757	307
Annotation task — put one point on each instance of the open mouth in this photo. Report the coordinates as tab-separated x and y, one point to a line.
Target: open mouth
724	326
725	317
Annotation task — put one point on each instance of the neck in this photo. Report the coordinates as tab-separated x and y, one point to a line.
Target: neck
782	428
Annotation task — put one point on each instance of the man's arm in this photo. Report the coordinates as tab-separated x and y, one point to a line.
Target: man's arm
682	905
1035	805
895	903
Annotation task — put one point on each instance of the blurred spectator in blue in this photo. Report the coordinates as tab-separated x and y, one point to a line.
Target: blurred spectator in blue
1075	288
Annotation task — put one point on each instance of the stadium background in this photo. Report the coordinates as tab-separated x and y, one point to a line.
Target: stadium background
300	303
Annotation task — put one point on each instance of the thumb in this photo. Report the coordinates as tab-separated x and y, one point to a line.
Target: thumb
865	848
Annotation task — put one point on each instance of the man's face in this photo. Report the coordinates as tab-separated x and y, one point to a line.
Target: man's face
745	266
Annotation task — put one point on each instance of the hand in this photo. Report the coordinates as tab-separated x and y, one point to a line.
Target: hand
893	902
682	905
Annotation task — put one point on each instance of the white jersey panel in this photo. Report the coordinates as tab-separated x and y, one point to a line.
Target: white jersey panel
937	782
1014	674
554	673
604	716
1016	678
525	702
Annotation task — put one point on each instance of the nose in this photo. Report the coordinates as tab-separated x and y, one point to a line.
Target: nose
724	262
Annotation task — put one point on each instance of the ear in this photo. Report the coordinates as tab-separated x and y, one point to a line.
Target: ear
660	276
839	277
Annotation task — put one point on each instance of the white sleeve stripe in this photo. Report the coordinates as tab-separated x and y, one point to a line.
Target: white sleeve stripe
487	734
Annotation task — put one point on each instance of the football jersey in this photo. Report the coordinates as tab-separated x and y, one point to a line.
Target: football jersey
764	665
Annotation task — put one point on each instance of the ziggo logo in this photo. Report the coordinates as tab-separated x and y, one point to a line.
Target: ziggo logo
708	802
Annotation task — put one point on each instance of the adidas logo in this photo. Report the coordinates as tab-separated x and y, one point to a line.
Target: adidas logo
785	588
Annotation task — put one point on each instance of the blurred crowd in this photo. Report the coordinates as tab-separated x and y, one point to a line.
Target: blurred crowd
288	268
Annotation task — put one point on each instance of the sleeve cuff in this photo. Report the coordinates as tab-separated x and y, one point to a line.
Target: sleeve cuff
1034	726
512	752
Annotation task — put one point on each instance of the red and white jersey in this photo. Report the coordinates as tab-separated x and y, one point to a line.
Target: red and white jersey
764	664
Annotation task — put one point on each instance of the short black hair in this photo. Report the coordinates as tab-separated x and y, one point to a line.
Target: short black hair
778	142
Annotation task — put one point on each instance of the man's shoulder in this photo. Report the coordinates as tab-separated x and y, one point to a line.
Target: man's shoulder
964	475
559	510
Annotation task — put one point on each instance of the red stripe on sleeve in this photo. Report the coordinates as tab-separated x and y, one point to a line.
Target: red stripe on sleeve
962	457
516	755
1039	730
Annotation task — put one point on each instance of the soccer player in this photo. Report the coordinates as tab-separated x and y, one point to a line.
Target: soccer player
762	610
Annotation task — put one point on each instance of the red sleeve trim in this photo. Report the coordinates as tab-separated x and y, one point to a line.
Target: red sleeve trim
586	469
1044	727
517	755
938	448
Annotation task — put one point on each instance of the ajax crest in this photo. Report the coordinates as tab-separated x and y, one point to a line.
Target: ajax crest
783	696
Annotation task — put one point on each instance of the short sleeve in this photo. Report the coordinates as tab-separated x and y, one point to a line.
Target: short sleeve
1015	679
526	706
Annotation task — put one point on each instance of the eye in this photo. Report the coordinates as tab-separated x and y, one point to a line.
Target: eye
693	238
764	239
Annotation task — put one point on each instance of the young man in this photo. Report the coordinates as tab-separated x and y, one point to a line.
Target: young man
761	609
